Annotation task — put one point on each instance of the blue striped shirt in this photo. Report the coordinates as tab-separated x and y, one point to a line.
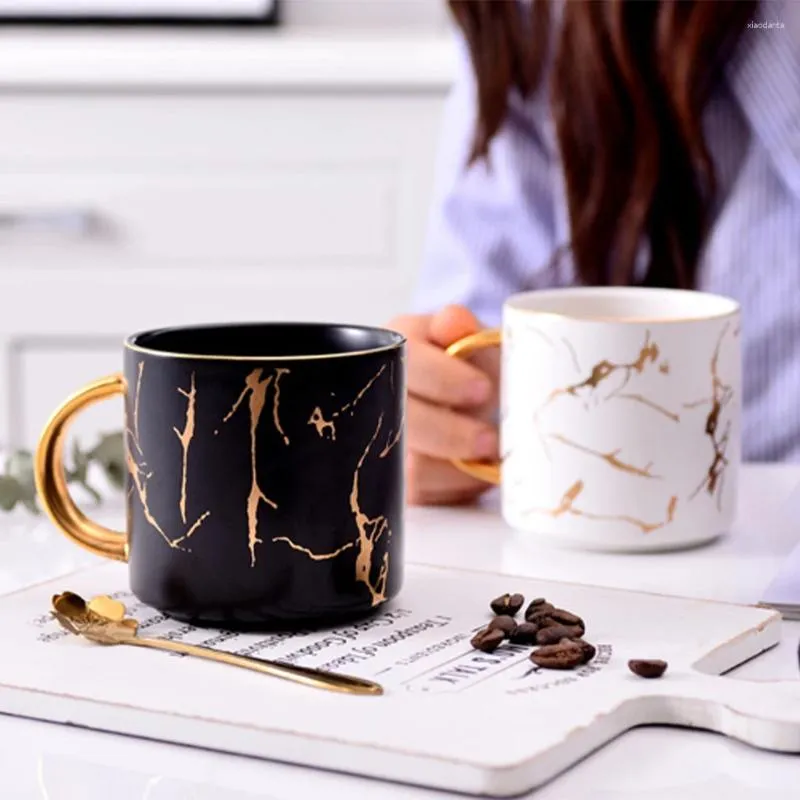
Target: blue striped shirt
492	231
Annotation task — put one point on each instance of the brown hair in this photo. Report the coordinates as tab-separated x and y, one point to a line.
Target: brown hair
628	85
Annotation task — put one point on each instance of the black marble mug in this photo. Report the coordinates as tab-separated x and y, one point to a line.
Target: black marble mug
265	471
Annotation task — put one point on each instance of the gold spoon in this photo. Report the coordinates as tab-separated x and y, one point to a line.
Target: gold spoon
103	620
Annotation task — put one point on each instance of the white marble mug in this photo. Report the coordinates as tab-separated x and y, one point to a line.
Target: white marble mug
620	416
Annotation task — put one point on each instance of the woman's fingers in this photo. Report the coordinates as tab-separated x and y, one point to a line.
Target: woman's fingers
440	432
442	379
432	481
450	403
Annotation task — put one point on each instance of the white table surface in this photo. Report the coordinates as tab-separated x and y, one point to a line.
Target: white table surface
54	762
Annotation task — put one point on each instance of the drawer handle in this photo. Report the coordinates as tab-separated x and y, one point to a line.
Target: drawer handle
77	223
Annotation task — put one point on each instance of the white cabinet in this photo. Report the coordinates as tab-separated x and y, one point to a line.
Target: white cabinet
137	191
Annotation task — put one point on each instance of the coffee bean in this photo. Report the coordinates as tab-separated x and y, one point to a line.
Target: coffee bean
578	627
647	668
538	601
488	640
503	623
589	650
565	617
564	655
538	610
507	604
525	633
542	619
555	633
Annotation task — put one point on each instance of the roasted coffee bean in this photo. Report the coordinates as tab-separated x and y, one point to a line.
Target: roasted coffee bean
524	633
579	627
564	655
647	668
542	619
538	610
503	623
589	650
565	617
488	639
537	604
507	604
538	601
555	633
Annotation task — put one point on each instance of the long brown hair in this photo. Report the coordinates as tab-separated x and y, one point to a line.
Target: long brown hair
628	85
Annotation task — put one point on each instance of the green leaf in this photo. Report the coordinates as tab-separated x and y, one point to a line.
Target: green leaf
80	464
9	493
111	447
19	468
18	484
19	462
115	474
109	454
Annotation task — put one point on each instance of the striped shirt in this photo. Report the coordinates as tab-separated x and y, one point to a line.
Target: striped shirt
492	231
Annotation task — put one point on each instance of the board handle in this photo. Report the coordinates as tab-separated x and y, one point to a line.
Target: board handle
764	714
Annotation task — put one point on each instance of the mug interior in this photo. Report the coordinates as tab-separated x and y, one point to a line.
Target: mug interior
633	304
272	340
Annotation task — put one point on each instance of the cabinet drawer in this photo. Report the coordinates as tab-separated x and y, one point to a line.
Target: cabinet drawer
313	216
293	181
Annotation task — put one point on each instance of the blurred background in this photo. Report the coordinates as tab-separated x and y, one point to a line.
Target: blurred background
229	160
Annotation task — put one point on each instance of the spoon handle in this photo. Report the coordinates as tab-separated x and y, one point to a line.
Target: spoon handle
308	677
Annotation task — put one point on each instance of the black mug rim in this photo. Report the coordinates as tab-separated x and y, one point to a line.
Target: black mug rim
132	342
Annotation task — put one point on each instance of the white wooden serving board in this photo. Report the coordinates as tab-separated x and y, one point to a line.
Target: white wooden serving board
452	718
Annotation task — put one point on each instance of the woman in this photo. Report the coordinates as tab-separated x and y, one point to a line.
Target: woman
660	143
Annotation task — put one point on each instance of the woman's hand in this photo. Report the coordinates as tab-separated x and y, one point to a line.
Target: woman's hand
451	403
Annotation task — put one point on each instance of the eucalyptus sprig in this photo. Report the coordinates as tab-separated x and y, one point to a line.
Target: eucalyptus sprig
18	486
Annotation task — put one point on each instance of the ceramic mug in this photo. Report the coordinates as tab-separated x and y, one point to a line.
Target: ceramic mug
265	471
620	415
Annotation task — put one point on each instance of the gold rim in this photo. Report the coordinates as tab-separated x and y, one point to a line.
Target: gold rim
606	291
129	345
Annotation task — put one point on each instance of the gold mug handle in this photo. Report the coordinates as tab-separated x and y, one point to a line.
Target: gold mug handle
51	480
492	337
